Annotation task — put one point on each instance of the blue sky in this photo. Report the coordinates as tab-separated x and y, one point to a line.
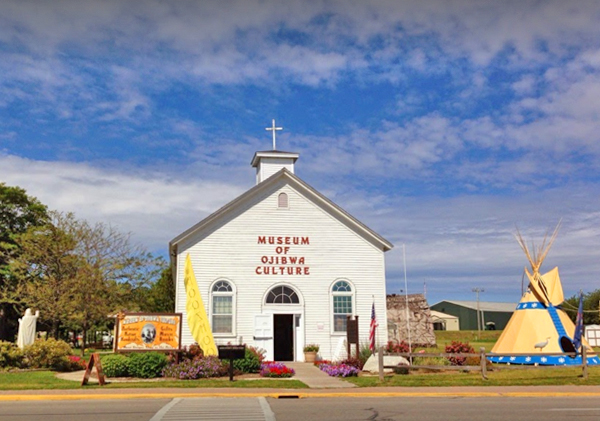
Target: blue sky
443	125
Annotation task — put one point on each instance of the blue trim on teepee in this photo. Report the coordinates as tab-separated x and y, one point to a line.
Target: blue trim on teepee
543	360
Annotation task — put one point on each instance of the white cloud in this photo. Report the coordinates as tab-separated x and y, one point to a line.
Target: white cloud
154	207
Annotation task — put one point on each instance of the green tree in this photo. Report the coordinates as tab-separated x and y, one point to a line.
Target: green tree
18	212
77	273
590	307
161	295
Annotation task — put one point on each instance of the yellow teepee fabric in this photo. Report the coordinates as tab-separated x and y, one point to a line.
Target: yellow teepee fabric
531	323
196	313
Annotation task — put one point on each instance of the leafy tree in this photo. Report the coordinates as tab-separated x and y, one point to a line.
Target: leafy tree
161	295
18	212
76	273
590	307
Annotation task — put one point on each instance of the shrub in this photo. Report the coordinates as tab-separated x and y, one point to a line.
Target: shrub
147	364
192	352
273	369
197	368
457	347
50	354
394	347
78	362
354	362
311	348
251	362
10	355
115	365
339	370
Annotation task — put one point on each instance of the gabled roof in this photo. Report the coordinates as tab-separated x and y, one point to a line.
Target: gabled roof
296	182
483	305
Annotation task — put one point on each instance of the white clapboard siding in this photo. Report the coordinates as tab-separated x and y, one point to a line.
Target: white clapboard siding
228	249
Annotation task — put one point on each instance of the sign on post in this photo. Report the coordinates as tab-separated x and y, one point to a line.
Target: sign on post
352	334
231	352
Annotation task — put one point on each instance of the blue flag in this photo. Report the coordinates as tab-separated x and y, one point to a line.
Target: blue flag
578	324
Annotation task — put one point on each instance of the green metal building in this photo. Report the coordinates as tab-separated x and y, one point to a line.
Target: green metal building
492	315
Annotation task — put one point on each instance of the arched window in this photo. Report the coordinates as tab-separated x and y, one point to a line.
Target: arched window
342	297
222	297
282	295
282	201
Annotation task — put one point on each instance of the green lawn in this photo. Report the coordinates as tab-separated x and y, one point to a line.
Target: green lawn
38	380
498	377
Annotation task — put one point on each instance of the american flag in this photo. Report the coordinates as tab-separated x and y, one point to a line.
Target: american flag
372	329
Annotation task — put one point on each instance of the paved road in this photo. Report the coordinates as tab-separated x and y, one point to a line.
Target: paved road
324	408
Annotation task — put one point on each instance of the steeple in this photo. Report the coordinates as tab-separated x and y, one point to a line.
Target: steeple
268	163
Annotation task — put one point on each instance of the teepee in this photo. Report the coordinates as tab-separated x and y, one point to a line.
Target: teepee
539	325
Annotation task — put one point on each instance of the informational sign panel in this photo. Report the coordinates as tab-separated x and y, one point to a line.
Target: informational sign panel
148	332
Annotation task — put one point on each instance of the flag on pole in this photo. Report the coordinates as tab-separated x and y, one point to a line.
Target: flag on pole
196	314
578	324
372	329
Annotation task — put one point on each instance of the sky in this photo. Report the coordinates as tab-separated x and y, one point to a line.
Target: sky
443	125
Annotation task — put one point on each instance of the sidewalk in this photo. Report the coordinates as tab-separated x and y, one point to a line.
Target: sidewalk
314	378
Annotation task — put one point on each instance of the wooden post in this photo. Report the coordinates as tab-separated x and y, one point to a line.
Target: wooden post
380	358
584	365
483	363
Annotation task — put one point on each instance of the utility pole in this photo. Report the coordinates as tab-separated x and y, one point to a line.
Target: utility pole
477	291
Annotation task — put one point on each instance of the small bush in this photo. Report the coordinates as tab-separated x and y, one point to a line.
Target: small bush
273	369
115	365
197	368
10	355
311	348
396	348
354	362
251	362
147	365
363	354
457	347
192	352
78	362
50	354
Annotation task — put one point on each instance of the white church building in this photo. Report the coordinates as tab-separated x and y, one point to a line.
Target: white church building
282	266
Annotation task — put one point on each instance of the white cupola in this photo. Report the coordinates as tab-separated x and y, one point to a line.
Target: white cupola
268	163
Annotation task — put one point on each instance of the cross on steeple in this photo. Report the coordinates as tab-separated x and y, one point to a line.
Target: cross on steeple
274	129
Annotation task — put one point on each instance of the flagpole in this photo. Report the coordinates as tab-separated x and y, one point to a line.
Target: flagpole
406	299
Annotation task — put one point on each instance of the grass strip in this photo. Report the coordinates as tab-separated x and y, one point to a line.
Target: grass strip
46	380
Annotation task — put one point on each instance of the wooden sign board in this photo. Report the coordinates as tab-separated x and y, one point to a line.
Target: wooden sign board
352	330
352	334
94	360
232	352
148	332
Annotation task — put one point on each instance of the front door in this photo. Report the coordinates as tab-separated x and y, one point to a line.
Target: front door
283	327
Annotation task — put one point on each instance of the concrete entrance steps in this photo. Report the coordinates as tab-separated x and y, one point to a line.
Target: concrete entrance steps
315	378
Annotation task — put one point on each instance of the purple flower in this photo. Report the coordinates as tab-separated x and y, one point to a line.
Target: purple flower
339	370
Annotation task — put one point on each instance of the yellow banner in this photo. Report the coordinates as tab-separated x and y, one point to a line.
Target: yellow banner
148	332
196	314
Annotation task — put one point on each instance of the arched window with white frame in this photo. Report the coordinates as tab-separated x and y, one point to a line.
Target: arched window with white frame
342	297
222	308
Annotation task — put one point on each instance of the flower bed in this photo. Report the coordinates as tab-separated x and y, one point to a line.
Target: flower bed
198	368
272	369
339	370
